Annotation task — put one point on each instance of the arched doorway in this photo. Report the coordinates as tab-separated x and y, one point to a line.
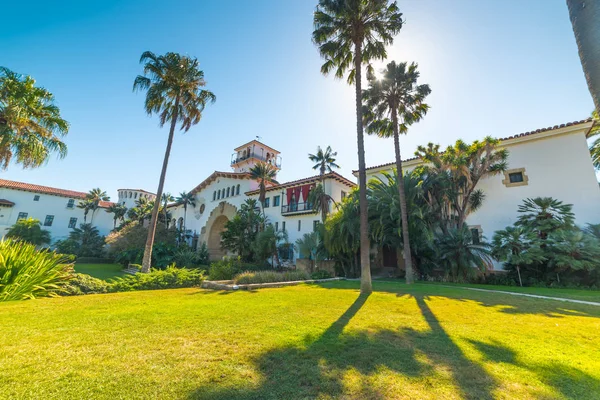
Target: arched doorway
214	238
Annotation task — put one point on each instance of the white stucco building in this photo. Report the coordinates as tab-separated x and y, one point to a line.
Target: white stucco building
550	162
55	208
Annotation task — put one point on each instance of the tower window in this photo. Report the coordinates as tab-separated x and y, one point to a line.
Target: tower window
299	225
237	190
228	192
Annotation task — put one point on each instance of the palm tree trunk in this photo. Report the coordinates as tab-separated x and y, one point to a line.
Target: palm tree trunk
403	212
365	248
585	18
146	263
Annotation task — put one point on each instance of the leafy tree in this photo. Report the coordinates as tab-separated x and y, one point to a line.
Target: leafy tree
118	211
459	256
174	90
29	230
392	104
518	247
451	177
342	235
85	240
126	245
572	249
267	242
31	126
350	33
320	200
324	160
186	199
166	198
264	174
545	215
311	246
240	232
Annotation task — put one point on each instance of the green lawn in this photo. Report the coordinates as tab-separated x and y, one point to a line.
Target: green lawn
575	294
100	271
307	341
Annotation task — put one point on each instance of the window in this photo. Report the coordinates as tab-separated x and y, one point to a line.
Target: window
283	226
515	177
299	225
135	195
276	201
315	225
214	195
72	222
233	190
267	202
343	195
36	198
22	215
276	226
130	194
227	192
476	234
223	193
218	195
237	190
71	203
49	219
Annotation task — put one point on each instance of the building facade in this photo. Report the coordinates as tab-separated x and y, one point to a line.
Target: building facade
551	162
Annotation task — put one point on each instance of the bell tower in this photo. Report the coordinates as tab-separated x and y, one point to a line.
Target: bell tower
254	152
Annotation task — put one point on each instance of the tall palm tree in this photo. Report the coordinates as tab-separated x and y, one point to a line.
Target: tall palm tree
350	33
166	198
263	173
142	210
86	205
187	199
31	126
174	90
324	160
392	104
118	211
585	19
94	197
595	146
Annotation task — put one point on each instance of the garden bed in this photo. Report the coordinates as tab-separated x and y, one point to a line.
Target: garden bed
231	285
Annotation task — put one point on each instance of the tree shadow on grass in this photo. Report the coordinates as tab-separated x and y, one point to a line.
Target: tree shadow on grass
319	368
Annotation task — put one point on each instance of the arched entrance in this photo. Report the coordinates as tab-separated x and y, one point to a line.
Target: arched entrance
214	238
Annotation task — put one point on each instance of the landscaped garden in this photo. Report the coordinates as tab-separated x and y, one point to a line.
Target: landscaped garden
419	341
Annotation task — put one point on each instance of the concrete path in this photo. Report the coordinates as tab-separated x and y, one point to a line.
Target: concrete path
591	303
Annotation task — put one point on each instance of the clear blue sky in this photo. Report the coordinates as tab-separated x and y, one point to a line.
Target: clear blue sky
495	68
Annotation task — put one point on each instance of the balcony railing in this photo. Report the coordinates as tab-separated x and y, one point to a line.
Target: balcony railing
276	161
296	207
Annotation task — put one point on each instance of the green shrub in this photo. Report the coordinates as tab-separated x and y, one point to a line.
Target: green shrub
169	278
85	284
270	276
224	269
126	245
256	267
186	257
94	260
321	274
27	273
29	230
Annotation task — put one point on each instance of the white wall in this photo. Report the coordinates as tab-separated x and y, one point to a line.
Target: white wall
49	205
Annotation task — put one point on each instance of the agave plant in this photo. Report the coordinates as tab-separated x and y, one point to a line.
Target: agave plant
27	273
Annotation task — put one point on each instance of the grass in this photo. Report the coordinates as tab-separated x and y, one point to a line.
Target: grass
575	294
101	271
307	341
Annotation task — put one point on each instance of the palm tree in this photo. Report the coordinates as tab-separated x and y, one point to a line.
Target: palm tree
173	85
166	198
94	197
595	147
186	199
584	19
86	205
324	160
142	210
392	104
118	211
263	173
545	215
31	127
518	247
350	33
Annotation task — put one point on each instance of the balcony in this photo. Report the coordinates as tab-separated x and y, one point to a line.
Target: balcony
297	208
276	162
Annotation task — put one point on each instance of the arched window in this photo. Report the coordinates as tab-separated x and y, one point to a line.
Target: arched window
130	194
223	193
214	195
228	192
218	195
233	190
135	195
237	190
244	154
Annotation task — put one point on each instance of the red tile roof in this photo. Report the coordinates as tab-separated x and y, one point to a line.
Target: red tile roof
29	187
4	202
332	175
541	130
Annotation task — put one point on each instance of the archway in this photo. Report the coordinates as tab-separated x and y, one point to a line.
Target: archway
214	238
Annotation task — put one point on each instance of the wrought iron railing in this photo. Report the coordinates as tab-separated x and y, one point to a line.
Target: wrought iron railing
296	207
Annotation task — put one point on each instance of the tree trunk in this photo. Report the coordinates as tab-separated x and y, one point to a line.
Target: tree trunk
519	273
365	248
585	18
147	261
403	212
